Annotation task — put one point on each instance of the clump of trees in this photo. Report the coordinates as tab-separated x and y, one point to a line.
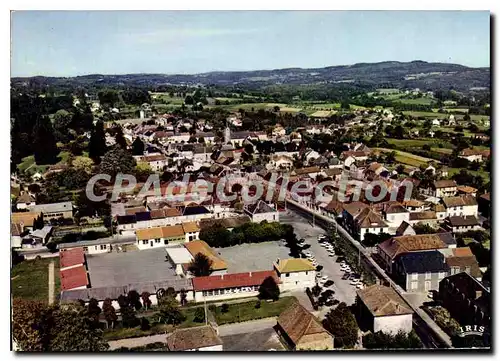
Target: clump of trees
218	236
201	265
341	323
39	327
380	340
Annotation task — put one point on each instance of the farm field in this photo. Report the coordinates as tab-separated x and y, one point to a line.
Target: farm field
407	158
435	115
408	143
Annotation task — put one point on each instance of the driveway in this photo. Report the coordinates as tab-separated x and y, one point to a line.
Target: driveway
344	292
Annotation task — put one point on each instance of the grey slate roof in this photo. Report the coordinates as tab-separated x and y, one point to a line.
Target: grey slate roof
425	261
101	293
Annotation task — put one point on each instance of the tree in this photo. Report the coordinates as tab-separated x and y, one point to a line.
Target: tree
138	147
129	319
183	297
169	312
26	318
74	330
142	171
109	312
97	143
146	302
269	289
38	327
117	160
44	142
200	266
423	228
94	310
380	340
189	100
341	323
134	299
199	315
119	138
83	163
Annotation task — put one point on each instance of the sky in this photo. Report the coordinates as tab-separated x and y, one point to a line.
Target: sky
69	43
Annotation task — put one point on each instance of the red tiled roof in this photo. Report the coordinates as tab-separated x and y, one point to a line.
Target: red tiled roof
73	278
71	257
245	279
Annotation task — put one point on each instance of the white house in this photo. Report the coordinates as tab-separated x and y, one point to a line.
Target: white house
395	214
458	224
384	310
160	236
25	200
460	206
261	211
295	273
472	155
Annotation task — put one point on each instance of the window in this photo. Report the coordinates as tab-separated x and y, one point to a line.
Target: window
428	275
103	247
95	247
145	241
414	285
414	276
157	240
204	293
85	249
210	293
306	273
287	274
165	241
442	275
467	269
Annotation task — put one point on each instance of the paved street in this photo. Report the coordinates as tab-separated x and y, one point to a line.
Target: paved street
344	292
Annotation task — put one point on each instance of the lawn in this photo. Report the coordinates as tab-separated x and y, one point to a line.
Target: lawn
29	279
240	312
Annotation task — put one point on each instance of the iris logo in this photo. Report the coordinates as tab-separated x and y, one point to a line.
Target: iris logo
470	330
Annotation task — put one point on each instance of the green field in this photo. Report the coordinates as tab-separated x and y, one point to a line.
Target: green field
29	279
434	115
408	143
28	163
406	158
240	312
420	101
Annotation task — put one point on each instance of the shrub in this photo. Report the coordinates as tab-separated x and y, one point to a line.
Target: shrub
257	304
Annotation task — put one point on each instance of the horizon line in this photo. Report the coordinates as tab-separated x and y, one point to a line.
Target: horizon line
248	70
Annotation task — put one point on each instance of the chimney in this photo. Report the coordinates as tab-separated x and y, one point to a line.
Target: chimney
250	274
222	276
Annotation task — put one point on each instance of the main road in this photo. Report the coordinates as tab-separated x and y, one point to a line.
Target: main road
431	334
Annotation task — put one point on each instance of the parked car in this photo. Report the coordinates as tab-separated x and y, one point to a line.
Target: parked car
355	282
319	275
329	283
360	286
345	276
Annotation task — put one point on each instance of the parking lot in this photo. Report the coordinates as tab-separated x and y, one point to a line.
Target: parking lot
344	292
118	269
253	256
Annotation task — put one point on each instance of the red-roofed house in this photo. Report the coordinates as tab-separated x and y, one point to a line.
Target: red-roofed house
227	286
74	278
71	258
